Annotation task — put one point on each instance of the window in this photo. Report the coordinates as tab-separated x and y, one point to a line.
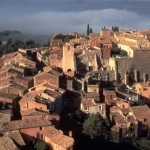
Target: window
40	128
86	108
100	108
145	89
145	120
94	90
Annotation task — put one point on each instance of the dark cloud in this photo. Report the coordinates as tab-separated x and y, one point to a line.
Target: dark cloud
49	16
48	22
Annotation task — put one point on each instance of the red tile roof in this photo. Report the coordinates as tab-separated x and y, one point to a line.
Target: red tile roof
141	112
24	124
88	102
59	138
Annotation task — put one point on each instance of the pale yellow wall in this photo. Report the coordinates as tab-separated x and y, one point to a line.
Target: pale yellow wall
68	58
143	91
112	63
138	88
128	49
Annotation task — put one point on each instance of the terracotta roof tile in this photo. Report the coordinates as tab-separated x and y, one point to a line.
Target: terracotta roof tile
141	111
16	136
24	124
59	138
88	102
6	143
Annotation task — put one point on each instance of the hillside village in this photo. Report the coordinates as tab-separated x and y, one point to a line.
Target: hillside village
47	93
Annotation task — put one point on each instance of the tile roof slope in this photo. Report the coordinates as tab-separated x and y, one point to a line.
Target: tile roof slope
3	70
58	138
114	111
141	111
23	124
133	37
32	111
18	86
25	78
55	72
6	111
93	95
145	84
52	93
30	95
109	92
52	87
145	32
104	40
16	136
128	43
9	96
10	55
113	40
119	119
88	53
6	143
88	102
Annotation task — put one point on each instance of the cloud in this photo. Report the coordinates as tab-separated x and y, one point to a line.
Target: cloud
48	22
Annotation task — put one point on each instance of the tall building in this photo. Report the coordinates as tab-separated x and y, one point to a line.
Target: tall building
69	62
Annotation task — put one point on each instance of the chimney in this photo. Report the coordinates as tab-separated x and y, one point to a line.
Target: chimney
70	133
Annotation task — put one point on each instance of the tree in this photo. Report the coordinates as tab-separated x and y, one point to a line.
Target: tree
115	28
41	145
103	28
94	126
91	31
140	102
123	53
142	144
88	29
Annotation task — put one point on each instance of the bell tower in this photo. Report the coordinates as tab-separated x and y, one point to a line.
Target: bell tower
68	58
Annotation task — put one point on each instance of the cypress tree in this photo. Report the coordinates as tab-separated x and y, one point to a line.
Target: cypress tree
88	29
91	31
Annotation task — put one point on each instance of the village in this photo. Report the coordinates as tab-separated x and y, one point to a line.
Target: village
105	73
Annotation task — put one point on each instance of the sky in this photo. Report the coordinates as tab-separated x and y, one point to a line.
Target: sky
57	16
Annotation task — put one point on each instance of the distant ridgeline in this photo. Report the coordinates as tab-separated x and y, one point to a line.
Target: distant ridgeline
10	41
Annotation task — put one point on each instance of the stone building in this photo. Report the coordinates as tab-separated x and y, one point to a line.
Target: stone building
51	77
4	80
57	140
6	115
143	89
90	107
142	116
129	65
29	128
69	60
110	97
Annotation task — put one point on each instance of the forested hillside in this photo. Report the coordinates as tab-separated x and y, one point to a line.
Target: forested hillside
10	41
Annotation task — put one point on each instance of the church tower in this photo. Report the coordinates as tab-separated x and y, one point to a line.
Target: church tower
69	62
